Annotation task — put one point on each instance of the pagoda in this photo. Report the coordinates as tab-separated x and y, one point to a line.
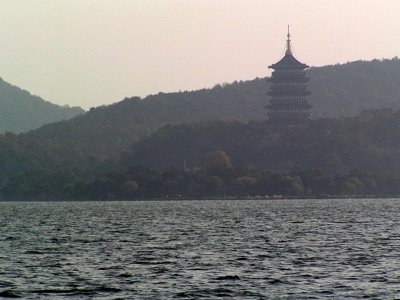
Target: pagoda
289	91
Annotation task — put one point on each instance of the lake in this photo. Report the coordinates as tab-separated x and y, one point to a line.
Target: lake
242	249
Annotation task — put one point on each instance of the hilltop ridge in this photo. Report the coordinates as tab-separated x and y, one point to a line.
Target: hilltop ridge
337	91
20	111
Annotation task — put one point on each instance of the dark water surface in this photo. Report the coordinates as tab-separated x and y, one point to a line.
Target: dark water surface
281	249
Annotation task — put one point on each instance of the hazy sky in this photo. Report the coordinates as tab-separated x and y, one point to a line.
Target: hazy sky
88	53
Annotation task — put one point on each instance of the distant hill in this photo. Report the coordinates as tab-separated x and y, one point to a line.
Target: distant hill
344	156
20	111
368	142
348	89
337	91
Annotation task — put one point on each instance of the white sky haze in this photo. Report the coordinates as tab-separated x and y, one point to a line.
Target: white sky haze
88	53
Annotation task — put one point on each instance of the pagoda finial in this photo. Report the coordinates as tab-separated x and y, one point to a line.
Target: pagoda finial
288	46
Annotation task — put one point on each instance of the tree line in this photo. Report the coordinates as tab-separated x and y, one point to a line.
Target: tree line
347	156
337	91
218	178
158	147
20	111
368	142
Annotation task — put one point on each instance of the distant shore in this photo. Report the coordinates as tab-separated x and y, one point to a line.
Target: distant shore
277	197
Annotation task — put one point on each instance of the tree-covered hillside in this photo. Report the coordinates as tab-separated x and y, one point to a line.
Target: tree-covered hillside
21	155
20	111
369	142
351	88
346	156
338	91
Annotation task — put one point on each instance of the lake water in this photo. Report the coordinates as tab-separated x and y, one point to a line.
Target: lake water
276	249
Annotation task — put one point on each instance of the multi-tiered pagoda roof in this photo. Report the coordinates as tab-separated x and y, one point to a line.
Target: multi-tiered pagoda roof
289	91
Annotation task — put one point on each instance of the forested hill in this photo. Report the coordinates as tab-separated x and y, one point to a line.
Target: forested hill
346	156
351	88
368	142
20	111
338	90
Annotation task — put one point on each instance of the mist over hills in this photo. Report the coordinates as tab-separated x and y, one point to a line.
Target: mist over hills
346	156
345	90
20	111
337	91
370	141
140	148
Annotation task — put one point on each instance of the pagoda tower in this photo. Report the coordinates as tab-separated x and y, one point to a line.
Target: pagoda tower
289	91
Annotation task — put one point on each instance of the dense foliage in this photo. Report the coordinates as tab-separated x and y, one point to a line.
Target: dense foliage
337	91
348	156
20	111
369	142
216	143
20	156
224	181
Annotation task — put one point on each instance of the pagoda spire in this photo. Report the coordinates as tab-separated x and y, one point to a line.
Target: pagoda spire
289	90
288	45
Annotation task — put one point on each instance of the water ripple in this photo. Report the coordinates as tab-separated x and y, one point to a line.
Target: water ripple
284	249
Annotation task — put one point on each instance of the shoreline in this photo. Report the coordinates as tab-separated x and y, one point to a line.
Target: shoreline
278	197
